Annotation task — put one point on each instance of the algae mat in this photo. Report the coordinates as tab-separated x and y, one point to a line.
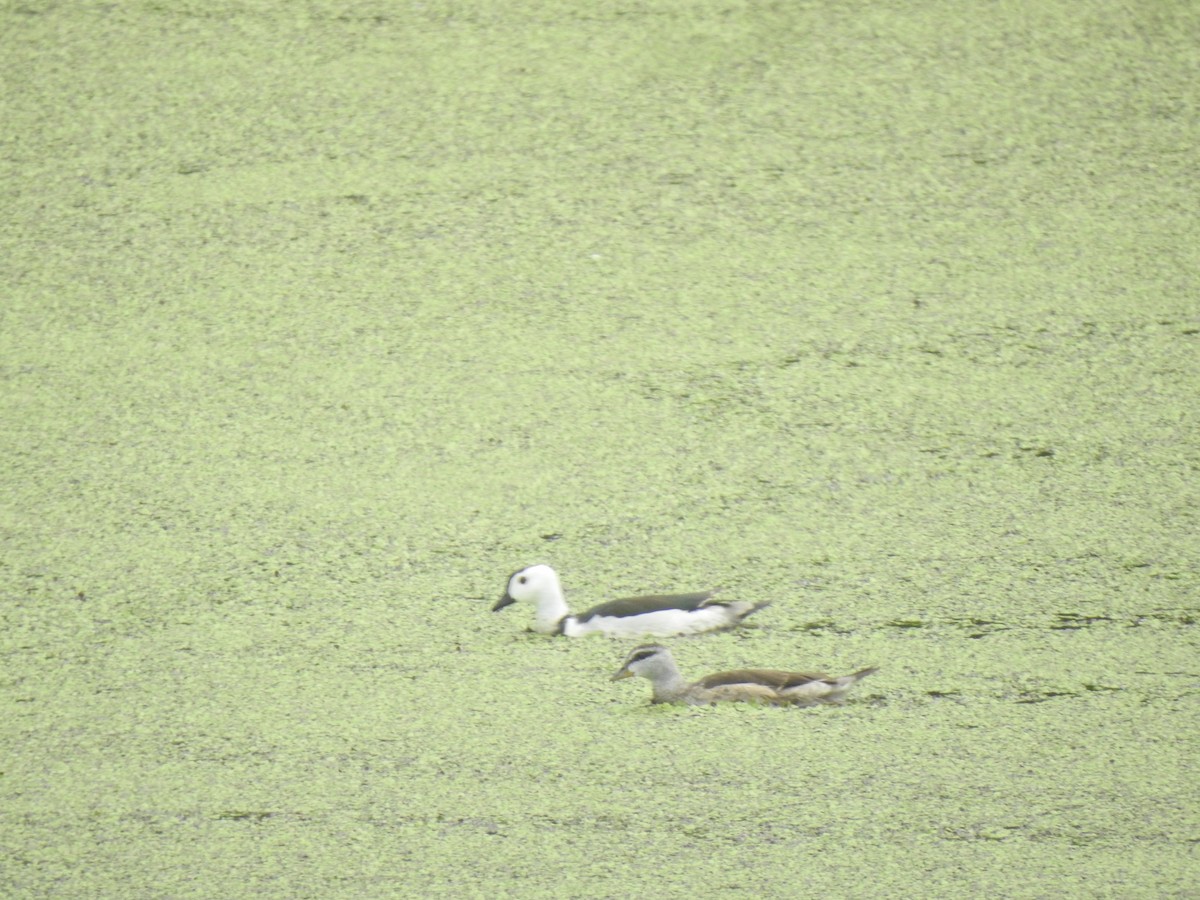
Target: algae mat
321	319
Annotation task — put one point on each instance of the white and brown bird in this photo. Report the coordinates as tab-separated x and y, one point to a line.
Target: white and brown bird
770	686
658	615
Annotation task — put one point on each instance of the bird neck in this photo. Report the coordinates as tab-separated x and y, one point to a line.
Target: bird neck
667	683
551	610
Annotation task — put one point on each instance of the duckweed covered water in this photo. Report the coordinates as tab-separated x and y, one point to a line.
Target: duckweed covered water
319	323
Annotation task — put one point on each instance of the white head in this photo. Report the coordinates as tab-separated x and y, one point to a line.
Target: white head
537	585
653	661
530	584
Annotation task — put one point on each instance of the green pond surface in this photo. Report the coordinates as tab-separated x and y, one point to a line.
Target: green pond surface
320	319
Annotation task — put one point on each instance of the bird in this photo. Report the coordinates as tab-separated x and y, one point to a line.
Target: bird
769	686
654	616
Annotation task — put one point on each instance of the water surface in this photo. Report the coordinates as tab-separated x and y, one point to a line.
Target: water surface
319	322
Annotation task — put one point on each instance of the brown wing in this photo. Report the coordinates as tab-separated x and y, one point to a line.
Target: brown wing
776	679
752	693
635	606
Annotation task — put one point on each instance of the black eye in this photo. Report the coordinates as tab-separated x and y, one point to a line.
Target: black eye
521	580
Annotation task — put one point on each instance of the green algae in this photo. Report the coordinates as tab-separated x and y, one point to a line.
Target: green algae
320	323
